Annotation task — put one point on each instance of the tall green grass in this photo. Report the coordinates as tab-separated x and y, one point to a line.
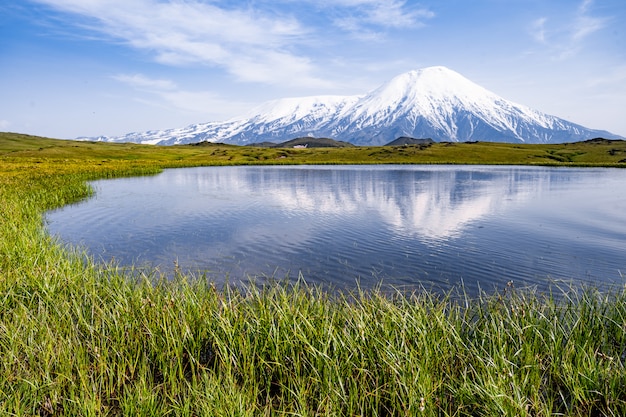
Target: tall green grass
79	338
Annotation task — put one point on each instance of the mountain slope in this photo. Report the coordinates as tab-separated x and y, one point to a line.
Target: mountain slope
434	102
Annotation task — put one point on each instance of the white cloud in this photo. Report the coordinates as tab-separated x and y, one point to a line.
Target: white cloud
538	29
196	32
585	24
140	81
4	124
166	93
205	103
614	77
276	67
395	14
251	41
565	39
358	15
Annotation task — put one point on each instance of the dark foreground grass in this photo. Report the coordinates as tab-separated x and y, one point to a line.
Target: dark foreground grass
81	339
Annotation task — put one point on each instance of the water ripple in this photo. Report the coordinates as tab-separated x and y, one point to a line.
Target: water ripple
402	225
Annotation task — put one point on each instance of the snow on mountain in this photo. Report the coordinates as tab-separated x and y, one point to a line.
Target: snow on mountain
433	102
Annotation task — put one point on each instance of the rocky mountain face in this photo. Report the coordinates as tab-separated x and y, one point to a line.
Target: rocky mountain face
433	102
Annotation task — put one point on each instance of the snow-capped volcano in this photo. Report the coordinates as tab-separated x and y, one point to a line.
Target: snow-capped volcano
433	102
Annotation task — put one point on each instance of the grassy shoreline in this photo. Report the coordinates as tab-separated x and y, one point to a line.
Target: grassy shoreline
79	339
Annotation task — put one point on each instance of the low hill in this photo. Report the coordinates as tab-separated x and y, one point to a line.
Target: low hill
405	140
305	142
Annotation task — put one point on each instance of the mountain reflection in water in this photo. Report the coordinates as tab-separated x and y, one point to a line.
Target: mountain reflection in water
402	225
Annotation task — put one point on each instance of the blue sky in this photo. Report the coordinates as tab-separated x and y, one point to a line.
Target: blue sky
71	68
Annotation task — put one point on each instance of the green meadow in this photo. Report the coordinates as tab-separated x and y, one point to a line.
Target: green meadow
78	338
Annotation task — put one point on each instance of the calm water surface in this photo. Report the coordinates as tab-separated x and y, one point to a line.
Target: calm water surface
402	225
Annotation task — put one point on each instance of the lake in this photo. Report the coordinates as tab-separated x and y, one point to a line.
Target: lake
409	226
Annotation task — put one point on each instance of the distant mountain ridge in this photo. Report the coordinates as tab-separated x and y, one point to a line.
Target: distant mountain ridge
433	102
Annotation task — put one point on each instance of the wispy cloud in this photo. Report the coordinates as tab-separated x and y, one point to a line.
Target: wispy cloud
361	16
565	38
159	91
614	77
252	41
584	24
196	32
4	124
140	81
392	13
538	29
